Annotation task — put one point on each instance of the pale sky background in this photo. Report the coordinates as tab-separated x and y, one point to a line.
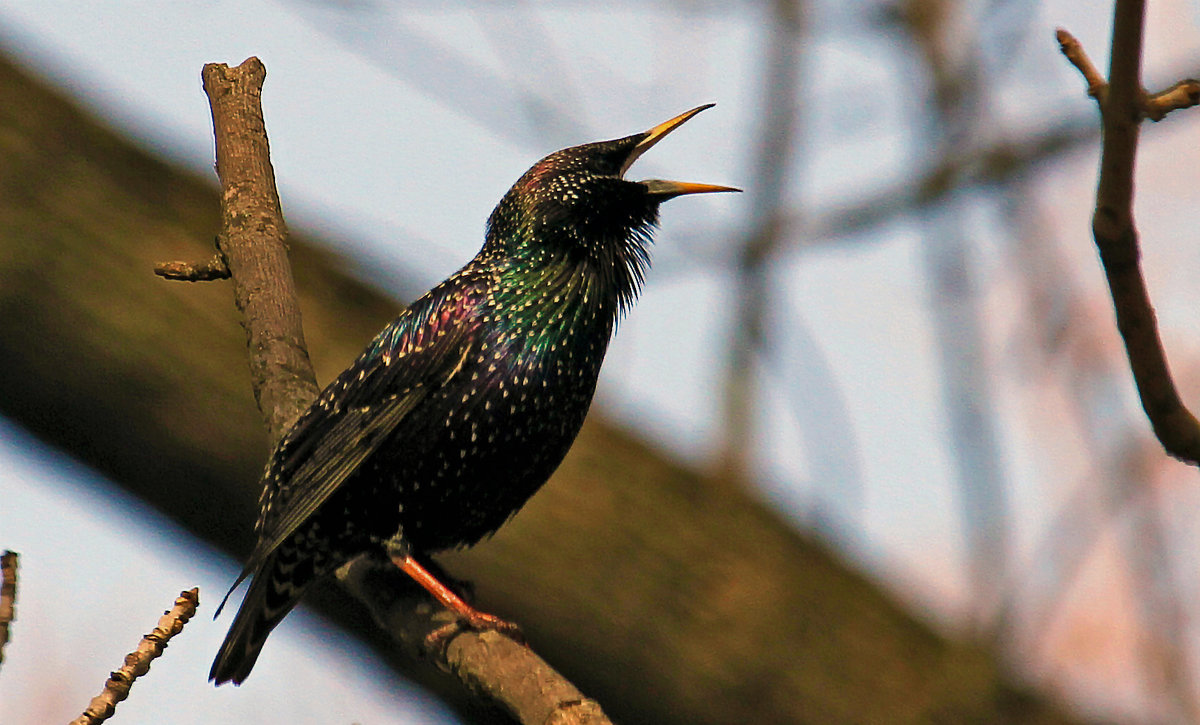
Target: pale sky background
367	153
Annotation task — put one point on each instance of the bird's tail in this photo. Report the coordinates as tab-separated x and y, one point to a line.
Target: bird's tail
272	594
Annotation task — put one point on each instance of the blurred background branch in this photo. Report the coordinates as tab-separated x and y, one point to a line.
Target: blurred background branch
779	142
950	55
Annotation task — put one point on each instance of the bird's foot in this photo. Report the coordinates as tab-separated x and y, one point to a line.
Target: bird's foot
466	616
473	620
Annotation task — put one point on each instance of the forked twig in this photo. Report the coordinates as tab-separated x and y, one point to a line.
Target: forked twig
1123	104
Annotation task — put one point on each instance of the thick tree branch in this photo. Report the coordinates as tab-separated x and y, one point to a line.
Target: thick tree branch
1123	103
506	672
137	662
8	596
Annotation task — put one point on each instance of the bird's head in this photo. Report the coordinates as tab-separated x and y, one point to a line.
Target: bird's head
577	200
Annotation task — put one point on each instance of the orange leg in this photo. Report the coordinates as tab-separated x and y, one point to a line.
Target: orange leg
468	616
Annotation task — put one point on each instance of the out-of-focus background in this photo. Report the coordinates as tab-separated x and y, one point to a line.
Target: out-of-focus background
866	451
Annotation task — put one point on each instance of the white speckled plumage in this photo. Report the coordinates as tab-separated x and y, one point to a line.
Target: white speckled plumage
462	407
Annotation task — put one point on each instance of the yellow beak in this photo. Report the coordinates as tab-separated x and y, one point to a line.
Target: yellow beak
669	189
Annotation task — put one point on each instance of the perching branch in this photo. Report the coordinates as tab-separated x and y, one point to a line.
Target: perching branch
8	596
1123	104
491	664
252	241
137	662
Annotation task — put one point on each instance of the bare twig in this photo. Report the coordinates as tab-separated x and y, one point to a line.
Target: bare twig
207	271
1184	94
1071	48
1122	107
252	240
137	662
8	596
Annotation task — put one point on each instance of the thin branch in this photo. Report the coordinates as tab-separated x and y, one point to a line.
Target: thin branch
137	662
252	240
8	596
1120	117
212	269
1073	50
957	172
1122	107
1184	94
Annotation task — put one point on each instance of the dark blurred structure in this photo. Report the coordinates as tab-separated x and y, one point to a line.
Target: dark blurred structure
670	596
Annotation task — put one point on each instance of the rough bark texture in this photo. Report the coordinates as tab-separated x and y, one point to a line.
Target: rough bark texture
666	595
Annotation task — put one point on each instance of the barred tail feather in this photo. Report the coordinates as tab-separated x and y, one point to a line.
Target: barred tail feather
273	592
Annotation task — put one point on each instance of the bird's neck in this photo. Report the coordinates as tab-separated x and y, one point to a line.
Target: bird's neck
546	299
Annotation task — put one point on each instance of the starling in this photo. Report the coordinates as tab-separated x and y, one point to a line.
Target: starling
462	407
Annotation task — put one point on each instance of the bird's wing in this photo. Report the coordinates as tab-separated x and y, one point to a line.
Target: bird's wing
421	351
